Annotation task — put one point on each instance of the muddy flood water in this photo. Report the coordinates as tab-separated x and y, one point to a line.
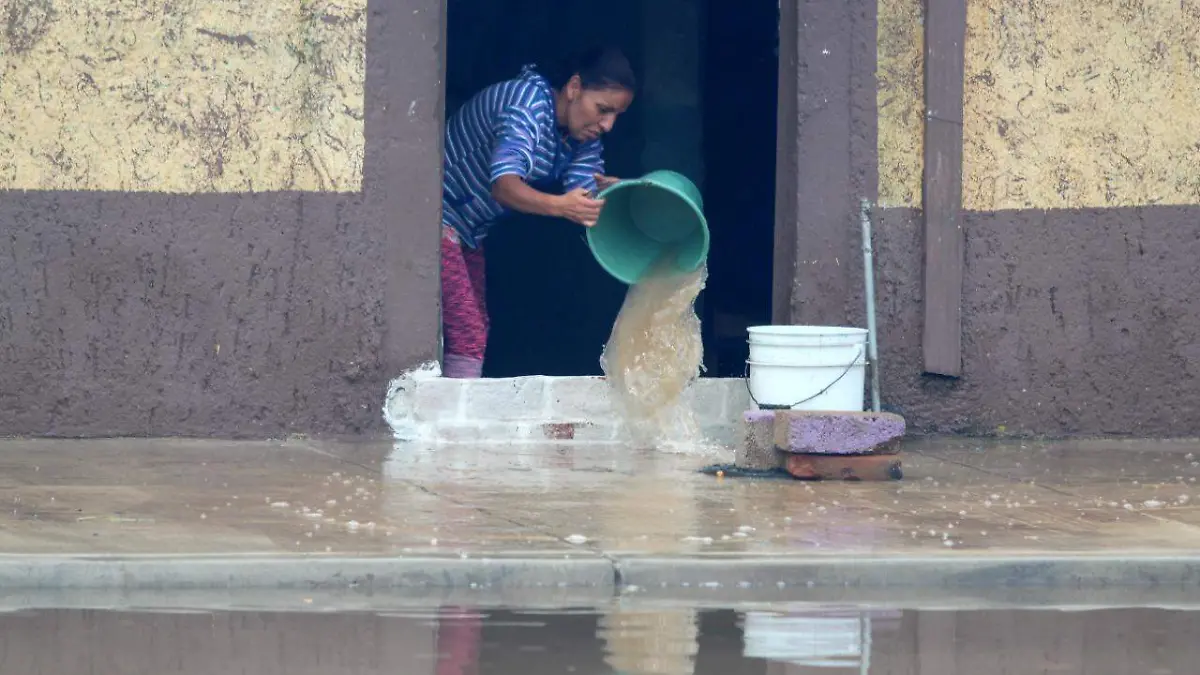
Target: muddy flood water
462	641
654	352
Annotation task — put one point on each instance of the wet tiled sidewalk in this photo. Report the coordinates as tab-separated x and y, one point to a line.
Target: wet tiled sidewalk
648	514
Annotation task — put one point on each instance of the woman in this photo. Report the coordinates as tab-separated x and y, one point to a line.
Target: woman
507	149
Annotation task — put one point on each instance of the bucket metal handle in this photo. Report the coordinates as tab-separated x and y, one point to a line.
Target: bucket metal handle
853	362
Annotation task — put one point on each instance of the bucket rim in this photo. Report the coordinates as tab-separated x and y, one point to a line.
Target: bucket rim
806	331
860	361
644	181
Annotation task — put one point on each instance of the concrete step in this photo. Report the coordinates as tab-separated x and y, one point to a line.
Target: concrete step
422	406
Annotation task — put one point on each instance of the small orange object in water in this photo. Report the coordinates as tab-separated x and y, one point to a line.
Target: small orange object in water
720	474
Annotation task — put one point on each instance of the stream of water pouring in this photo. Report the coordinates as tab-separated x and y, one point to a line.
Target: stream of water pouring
653	354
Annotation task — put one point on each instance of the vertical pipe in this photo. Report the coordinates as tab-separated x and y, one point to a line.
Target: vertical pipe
869	276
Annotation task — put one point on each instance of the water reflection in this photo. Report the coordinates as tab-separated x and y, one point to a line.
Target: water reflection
459	634
829	639
650	643
643	641
628	640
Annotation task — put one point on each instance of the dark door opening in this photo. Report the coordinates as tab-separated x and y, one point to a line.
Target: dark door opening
710	118
741	89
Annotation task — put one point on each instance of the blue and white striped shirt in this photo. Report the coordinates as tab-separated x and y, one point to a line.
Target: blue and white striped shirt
509	128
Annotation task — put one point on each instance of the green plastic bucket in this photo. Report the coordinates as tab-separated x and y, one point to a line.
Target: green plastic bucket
645	219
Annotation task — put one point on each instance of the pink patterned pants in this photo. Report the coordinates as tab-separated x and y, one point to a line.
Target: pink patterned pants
464	308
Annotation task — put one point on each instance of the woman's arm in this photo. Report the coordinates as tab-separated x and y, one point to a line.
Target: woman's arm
585	166
514	193
578	206
512	161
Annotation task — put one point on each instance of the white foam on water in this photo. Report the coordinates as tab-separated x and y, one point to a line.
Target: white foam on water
399	401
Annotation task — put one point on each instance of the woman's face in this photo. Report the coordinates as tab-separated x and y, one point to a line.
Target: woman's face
591	113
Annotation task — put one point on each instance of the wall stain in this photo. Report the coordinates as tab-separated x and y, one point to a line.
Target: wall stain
182	96
25	24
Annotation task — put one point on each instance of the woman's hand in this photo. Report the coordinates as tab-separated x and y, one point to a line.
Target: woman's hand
578	206
604	182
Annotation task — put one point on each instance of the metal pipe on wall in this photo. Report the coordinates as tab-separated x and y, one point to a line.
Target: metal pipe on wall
869	280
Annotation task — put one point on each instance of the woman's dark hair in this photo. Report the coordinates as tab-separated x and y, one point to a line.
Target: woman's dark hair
597	68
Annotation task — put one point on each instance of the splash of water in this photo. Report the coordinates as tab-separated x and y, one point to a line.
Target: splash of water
653	354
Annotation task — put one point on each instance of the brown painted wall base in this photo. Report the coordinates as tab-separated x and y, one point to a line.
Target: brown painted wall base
235	315
1074	322
150	314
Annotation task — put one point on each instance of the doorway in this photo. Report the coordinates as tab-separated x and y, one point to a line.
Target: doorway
698	112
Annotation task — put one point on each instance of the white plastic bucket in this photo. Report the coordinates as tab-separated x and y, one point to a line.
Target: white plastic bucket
808	367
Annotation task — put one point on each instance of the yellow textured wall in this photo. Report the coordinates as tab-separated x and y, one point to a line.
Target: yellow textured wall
1067	105
1082	104
900	97
182	95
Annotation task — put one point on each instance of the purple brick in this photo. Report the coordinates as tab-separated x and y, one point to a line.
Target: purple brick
757	450
838	433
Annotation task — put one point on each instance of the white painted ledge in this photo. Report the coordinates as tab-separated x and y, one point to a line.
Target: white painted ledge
424	407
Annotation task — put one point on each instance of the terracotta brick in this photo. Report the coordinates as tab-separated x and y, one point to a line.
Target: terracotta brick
838	433
845	467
